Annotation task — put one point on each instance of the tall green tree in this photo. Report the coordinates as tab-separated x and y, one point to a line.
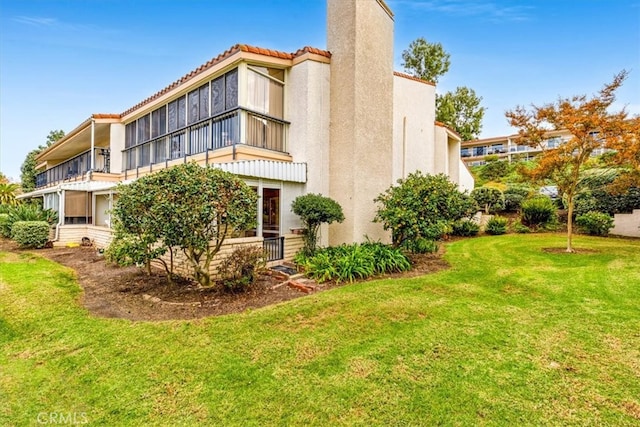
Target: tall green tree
461	110
592	126
28	168
429	61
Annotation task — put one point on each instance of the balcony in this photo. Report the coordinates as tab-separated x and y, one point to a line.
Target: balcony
237	127
75	168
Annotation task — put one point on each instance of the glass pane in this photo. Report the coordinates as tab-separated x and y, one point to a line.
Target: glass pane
231	89
270	212
182	112
193	106
144	130
204	102
217	96
173	116
159	122
130	135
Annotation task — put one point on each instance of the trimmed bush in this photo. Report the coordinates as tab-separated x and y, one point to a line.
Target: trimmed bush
514	196
465	228
5	225
496	225
595	223
421	206
30	234
240	269
488	199
538	212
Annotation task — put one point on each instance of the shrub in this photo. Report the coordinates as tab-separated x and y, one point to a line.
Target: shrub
514	196
488	199
351	262
240	269
314	210
186	207
421	206
421	246
5	226
465	228
30	234
494	169
538	211
520	228
496	225
595	223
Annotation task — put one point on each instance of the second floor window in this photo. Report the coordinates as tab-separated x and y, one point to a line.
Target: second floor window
265	87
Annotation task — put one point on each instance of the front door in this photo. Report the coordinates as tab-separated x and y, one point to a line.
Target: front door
270	212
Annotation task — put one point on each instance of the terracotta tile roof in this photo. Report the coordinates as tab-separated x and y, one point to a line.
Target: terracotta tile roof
442	125
410	77
224	55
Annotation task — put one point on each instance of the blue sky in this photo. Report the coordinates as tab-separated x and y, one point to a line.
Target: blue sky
62	60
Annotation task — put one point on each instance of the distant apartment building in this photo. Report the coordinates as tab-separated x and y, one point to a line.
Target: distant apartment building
507	148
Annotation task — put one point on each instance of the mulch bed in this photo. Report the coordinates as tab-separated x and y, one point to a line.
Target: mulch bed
129	293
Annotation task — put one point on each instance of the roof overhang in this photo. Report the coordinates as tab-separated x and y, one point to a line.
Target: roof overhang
71	186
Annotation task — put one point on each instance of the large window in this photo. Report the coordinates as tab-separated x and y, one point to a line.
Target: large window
224	92
265	87
199	104
159	122
177	114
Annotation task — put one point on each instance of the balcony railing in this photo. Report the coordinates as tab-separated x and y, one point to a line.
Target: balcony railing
239	126
75	167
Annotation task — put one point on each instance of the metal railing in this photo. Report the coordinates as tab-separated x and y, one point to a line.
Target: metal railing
239	126
273	248
75	167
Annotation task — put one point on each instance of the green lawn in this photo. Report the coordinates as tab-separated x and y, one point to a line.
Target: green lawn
509	335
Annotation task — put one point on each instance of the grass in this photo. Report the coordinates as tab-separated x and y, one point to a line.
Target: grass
510	334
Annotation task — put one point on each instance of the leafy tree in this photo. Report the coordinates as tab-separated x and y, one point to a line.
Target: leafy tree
426	60
8	194
188	207
421	206
626	155
3	178
28	167
315	210
591	125
461	110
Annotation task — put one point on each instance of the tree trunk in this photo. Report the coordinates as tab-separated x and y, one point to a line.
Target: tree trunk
570	224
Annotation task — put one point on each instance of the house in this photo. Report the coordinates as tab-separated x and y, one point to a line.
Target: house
338	121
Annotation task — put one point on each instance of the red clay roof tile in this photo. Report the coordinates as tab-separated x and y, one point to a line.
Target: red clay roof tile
410	77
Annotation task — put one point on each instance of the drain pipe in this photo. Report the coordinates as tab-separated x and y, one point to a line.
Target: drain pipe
56	236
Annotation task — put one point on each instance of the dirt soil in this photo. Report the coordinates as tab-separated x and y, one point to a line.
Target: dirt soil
128	293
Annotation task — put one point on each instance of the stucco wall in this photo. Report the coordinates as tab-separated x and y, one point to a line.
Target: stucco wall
116	145
360	39
308	111
441	155
413	127
627	224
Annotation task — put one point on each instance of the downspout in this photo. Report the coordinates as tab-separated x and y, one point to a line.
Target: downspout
56	236
404	145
